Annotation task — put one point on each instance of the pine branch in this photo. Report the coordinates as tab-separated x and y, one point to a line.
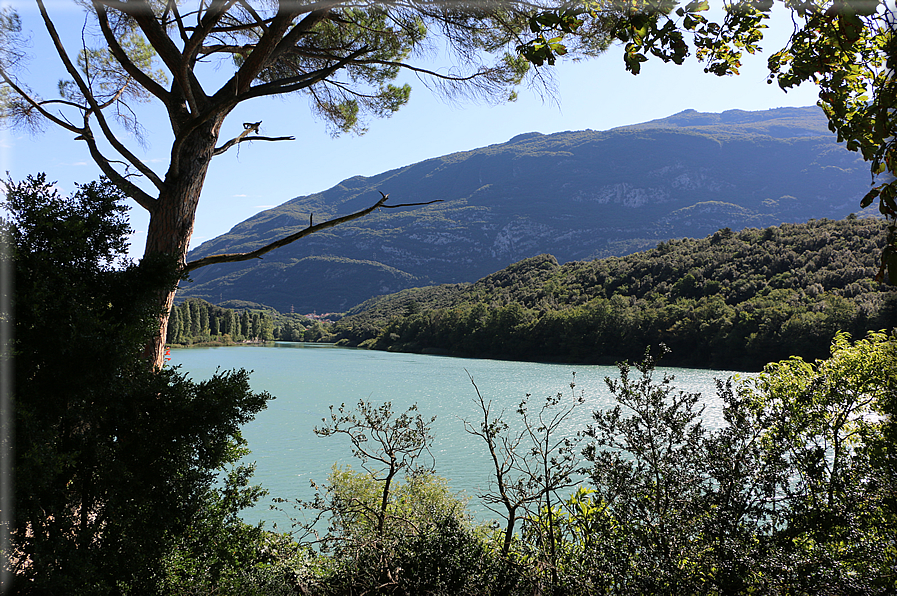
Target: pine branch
141	77
95	107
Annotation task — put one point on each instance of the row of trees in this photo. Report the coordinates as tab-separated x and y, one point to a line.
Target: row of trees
729	300
197	321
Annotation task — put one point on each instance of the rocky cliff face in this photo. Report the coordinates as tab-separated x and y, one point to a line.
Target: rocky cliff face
575	195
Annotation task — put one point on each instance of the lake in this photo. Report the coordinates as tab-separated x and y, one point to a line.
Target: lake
308	378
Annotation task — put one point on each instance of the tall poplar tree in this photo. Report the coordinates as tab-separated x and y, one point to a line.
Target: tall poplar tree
246	325
175	326
203	319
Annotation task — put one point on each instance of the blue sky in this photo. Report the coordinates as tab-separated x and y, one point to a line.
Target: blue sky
597	94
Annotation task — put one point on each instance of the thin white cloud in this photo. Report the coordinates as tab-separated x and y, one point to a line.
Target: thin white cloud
264	206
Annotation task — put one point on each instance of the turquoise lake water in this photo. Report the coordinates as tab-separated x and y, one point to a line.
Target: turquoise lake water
308	378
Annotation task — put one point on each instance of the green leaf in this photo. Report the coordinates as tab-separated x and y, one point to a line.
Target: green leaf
851	27
870	196
697	6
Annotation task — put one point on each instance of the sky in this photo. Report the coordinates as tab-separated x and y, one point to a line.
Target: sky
596	94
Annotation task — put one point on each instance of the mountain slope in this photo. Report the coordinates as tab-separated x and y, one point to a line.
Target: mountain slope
732	299
576	195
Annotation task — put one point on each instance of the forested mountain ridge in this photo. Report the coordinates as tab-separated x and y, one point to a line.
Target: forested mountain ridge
576	195
730	300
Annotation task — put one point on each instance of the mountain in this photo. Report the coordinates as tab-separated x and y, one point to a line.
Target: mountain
576	195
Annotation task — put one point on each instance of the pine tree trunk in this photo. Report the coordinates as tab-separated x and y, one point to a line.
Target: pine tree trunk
172	219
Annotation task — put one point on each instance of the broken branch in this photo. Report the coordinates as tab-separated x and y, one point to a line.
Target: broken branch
311	229
248	128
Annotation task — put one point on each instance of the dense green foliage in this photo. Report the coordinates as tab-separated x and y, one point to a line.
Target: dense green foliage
576	195
195	321
793	494
729	300
429	545
115	464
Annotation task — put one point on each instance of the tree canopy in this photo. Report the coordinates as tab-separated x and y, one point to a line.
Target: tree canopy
113	462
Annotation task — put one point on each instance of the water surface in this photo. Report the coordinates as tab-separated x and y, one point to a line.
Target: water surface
307	379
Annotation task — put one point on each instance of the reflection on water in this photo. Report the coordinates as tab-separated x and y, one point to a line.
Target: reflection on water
308	378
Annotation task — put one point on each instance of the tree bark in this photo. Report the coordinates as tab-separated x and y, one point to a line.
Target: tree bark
173	216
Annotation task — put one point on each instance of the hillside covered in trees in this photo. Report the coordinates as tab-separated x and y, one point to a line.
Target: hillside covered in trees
730	300
576	195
